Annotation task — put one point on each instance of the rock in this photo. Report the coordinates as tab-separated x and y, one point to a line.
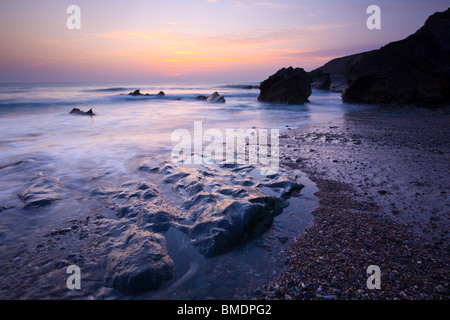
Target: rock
287	186
101	191
140	265
158	221
135	93
77	111
332	76
60	232
160	94
320	80
415	70
43	192
143	186
201	98
290	86
220	211
221	227
216	98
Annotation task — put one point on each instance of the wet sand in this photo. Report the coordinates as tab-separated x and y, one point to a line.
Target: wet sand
383	190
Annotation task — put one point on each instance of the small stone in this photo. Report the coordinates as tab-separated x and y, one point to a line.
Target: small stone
283	239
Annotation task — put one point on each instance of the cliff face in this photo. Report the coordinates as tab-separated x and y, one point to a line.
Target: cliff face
415	70
332	76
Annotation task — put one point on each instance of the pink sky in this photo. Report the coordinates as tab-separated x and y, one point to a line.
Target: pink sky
197	40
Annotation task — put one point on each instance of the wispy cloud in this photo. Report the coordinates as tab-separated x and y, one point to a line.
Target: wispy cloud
280	5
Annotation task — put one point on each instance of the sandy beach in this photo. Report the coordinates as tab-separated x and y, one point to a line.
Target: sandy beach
383	190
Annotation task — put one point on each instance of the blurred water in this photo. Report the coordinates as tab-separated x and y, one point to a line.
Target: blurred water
37	130
38	138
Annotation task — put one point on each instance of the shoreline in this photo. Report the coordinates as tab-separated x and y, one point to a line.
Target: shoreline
383	201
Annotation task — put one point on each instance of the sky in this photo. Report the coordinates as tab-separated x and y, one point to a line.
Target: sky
191	40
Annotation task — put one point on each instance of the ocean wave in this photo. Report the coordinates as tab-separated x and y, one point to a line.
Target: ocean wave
238	86
114	89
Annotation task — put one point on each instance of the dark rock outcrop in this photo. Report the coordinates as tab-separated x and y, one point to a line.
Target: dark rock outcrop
414	71
160	94
290	86
216	98
77	111
137	93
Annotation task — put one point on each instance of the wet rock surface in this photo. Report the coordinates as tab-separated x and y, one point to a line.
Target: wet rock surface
43	191
127	236
140	264
218	213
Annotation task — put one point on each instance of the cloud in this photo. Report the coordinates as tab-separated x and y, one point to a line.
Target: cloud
270	4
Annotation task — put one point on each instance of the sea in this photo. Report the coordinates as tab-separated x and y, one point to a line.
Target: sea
39	136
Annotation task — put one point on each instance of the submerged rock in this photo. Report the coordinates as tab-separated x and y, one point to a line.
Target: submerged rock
43	192
140	265
77	111
290	86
